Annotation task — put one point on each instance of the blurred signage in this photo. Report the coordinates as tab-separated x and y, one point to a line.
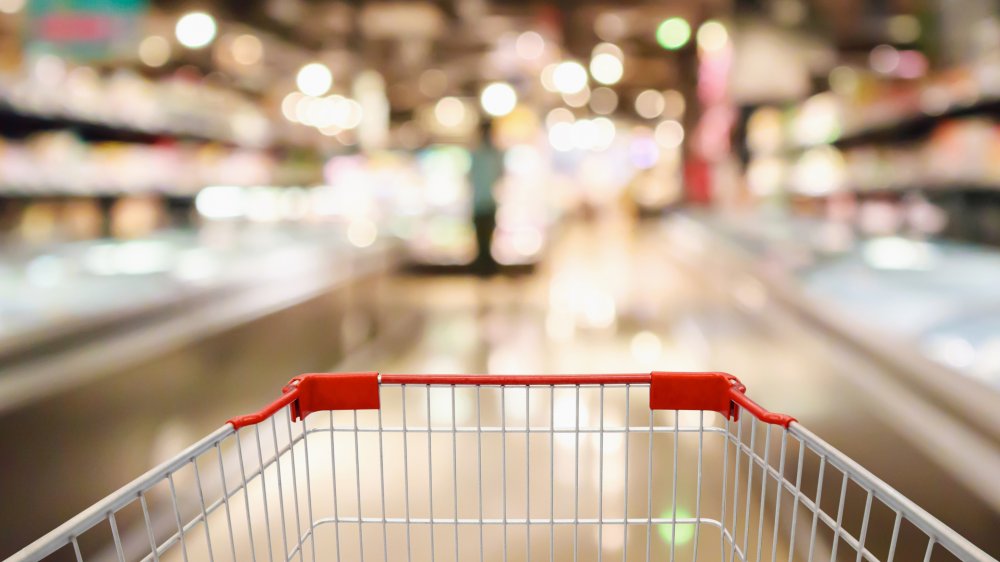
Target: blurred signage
84	30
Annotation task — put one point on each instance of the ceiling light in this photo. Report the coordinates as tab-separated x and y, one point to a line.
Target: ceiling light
498	99
195	30
314	79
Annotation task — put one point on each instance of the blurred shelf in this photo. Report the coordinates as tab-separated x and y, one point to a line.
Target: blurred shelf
11	192
913	126
15	124
942	188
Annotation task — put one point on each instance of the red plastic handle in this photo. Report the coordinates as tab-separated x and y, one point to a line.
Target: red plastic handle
718	392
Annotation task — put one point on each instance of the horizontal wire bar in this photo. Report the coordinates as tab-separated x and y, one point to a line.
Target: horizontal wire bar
566	386
498	429
517	521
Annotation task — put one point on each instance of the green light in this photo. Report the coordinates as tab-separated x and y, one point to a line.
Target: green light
684	532
673	33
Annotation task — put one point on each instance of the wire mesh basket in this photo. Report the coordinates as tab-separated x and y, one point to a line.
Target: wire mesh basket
362	466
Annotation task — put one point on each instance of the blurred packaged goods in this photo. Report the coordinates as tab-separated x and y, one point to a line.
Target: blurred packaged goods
54	163
54	93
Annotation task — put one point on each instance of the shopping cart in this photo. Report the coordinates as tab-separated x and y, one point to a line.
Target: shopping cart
364	466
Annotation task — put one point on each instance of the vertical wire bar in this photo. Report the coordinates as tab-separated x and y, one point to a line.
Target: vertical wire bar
552	473
76	550
479	463
576	478
177	516
503	464
263	487
333	478
816	505
673	492
149	526
295	484
864	527
204	511
118	539
246	497
750	465
763	491
281	486
795	503
628	408
406	478
725	483
649	488
357	475
225	501
840	517
430	472
736	486
454	465
381	480
930	548
895	537
527	472
309	501
697	498
600	484
777	495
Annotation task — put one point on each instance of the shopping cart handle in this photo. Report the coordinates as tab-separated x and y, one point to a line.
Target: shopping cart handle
716	392
317	392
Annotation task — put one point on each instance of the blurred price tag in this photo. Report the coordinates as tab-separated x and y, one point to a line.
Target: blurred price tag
84	30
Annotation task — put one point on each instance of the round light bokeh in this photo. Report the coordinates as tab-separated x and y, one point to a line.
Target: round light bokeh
195	30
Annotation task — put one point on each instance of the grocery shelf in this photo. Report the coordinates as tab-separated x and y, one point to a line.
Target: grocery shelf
913	126
95	287
15	124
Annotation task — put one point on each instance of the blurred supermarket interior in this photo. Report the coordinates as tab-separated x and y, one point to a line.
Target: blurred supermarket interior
202	199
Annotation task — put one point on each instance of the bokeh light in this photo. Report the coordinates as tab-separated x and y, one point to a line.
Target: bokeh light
669	134
606	68
677	533
558	115
903	28
884	59
577	99
289	106
610	26
569	77
195	30
247	49
603	101
673	104
608	49
449	111
314	79
154	51
649	104
673	33
498	99
530	45
712	36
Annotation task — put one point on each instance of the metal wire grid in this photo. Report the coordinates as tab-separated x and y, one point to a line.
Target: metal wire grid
584	472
